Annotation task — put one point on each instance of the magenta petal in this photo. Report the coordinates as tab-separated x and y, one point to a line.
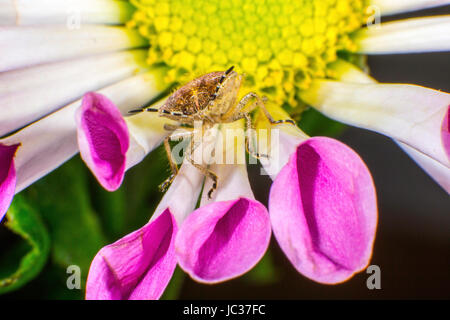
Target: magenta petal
323	211
103	139
138	266
445	132
7	177
223	240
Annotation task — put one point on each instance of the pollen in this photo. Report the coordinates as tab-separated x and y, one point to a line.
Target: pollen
279	45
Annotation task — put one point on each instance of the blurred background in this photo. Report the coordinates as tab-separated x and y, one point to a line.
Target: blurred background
412	246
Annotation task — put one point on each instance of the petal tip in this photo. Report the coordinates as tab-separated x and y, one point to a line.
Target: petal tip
327	229
223	240
137	267
103	139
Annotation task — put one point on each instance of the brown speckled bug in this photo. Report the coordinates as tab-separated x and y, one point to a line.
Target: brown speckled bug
211	99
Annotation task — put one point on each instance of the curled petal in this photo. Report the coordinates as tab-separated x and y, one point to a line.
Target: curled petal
103	139
7	177
439	172
223	240
138	266
323	211
48	143
410	114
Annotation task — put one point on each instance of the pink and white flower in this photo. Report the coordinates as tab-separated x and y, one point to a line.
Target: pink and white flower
322	209
322	205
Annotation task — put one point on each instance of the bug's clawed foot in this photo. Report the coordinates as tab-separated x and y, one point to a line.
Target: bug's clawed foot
163	186
260	155
213	188
292	122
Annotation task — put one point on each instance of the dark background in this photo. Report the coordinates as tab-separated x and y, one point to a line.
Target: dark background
412	246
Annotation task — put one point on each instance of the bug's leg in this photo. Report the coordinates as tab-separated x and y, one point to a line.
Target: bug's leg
205	171
250	138
148	109
260	103
173	166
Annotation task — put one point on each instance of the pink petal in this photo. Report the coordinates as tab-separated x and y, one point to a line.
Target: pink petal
103	139
223	240
445	132
323	210
7	177
138	266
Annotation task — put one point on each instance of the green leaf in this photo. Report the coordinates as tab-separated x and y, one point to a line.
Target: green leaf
175	285
316	124
32	252
64	201
111	208
141	187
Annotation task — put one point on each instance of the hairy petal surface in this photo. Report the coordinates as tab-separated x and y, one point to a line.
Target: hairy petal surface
223	240
7	177
138	266
103	139
323	211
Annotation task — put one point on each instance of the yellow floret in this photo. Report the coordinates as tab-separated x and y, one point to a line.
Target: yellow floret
280	45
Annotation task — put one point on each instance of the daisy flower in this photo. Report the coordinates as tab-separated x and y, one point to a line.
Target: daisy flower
299	54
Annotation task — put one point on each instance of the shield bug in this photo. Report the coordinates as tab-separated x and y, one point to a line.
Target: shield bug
211	99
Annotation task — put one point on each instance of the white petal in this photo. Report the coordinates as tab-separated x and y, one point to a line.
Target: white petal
388	7
146	133
49	142
348	72
410	114
182	196
28	94
437	171
25	46
65	12
232	176
431	34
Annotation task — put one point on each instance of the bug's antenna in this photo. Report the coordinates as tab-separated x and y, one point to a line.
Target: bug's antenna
229	70
134	111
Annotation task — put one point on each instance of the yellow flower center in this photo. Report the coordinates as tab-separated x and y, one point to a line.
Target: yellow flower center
280	45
